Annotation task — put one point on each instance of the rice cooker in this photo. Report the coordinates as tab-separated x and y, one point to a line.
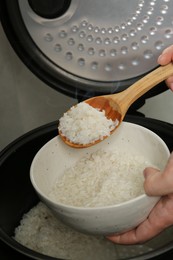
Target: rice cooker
81	49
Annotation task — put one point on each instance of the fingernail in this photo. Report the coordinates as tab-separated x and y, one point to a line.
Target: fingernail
159	58
145	173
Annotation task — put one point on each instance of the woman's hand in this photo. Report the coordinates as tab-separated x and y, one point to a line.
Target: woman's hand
165	58
156	184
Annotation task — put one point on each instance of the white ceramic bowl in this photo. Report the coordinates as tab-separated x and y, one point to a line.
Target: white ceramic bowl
54	156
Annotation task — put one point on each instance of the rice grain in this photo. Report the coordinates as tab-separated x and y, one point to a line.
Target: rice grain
102	178
83	124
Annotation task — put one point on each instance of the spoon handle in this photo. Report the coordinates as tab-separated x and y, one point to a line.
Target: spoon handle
139	88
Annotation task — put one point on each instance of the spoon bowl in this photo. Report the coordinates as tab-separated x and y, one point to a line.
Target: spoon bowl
116	105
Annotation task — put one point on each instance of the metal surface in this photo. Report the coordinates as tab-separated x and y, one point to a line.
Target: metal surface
103	41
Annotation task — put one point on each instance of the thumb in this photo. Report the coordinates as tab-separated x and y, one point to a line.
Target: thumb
166	56
159	183
153	182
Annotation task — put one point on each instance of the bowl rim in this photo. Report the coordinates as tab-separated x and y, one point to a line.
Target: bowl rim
77	208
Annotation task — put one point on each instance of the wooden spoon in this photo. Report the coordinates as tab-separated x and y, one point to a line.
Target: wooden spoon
116	105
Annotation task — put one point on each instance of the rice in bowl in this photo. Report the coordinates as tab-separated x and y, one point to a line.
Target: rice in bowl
98	189
100	179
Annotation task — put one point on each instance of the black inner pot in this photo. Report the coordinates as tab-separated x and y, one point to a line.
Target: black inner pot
17	195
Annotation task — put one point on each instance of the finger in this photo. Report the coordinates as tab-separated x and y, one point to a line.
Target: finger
164	59
153	182
156	184
166	56
144	232
169	49
159	183
169	82
128	238
148	229
169	166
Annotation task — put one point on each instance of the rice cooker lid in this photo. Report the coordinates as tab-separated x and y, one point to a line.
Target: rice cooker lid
78	45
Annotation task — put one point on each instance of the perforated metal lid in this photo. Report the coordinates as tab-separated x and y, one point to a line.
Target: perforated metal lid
104	40
99	45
